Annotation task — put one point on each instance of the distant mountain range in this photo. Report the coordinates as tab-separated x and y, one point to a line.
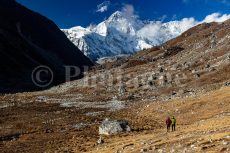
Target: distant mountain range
123	34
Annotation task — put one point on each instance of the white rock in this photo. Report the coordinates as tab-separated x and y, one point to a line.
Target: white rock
109	127
225	143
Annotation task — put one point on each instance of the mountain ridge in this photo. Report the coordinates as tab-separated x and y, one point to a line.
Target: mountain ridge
122	34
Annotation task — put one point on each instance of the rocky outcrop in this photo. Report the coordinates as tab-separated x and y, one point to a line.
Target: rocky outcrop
109	127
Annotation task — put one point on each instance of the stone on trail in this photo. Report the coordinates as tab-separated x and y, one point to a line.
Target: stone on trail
100	140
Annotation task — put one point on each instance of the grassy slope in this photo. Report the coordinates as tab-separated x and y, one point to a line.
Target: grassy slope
203	126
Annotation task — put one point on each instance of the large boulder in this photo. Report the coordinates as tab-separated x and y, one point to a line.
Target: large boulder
109	127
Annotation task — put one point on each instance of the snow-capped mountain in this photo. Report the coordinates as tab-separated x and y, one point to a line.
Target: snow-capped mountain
123	34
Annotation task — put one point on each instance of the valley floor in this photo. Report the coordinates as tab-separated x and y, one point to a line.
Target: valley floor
203	126
41	126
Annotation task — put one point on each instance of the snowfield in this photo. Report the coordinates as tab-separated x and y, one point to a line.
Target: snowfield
123	34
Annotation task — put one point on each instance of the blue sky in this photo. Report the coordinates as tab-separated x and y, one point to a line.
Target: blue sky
69	13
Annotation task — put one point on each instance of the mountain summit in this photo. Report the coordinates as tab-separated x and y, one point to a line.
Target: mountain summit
122	33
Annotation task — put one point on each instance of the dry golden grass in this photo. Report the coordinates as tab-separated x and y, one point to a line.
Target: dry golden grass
203	122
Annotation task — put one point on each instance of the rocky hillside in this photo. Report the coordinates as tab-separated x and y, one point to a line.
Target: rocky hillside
189	64
28	40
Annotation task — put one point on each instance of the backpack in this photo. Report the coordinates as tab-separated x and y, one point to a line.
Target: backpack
173	121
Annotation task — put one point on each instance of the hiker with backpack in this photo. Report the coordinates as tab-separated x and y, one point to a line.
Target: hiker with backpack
173	120
168	123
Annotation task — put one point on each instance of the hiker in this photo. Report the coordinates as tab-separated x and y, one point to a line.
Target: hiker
173	120
168	123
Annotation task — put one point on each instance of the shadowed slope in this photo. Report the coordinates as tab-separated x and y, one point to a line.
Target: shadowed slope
28	40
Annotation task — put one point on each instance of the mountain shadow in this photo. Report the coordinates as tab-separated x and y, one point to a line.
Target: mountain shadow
29	40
